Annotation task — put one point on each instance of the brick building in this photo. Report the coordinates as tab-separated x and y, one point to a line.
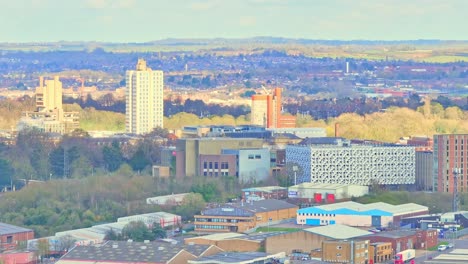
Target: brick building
383	252
243	216
450	152
11	236
406	239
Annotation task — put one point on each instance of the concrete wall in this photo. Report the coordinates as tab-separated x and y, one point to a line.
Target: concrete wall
300	240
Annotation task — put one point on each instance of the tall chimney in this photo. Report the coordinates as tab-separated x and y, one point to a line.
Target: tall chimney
337	128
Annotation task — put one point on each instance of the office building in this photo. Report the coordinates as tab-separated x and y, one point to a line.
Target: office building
49	115
347	251
191	154
244	216
266	111
450	157
144	99
336	160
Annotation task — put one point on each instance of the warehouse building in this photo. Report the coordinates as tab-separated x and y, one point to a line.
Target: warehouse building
326	192
356	214
267	192
307	240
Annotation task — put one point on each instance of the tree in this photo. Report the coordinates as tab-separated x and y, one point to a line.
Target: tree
6	172
158	231
139	161
112	156
137	231
112	235
56	162
192	204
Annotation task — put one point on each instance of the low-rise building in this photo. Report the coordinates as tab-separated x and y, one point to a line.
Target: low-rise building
241	217
307	240
18	257
123	252
234	241
239	258
267	192
347	251
171	199
406	239
13	236
383	252
326	192
355	214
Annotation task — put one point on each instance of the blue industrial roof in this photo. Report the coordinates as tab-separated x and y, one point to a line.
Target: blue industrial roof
343	211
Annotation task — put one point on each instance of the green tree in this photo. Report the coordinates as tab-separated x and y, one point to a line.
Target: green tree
137	231
139	161
192	204
158	231
112	157
6	172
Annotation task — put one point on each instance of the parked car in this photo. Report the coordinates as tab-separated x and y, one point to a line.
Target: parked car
442	247
450	245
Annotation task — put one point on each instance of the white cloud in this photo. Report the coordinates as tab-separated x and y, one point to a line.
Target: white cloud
247	21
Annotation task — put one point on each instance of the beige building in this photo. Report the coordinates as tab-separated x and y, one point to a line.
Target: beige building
347	251
49	115
144	99
310	239
189	150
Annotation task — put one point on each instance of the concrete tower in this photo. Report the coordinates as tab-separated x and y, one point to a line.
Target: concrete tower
144	98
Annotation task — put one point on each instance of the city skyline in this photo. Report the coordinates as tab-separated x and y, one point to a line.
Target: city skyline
144	20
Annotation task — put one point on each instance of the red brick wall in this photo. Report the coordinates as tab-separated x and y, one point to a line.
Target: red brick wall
15	239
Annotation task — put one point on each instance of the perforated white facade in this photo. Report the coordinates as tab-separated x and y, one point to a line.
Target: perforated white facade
361	165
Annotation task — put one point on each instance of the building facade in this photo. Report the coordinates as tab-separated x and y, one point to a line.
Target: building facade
406	239
189	150
338	161
266	111
347	251
450	156
12	236
253	165
424	170
144	99
356	214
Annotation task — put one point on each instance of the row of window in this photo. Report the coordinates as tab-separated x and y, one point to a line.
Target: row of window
211	227
252	156
209	165
215	174
316	214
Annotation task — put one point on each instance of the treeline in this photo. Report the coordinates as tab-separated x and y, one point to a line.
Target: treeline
108	102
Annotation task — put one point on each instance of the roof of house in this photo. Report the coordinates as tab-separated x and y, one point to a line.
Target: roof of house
6	229
233	257
353	208
248	209
338	231
218	236
123	251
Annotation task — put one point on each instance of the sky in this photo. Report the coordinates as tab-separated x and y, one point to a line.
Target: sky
149	20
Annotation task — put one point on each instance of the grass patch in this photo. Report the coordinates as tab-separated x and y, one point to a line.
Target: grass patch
435	248
277	229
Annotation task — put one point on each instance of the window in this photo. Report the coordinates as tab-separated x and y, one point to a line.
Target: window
251	156
205	165
258	156
210	165
9	239
216	165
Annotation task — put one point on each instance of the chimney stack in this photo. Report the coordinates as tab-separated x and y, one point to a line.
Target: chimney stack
337	132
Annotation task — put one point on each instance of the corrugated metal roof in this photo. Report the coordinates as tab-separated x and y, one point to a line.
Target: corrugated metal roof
338	231
378	208
6	229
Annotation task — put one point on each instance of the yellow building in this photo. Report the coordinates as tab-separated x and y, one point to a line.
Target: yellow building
144	99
